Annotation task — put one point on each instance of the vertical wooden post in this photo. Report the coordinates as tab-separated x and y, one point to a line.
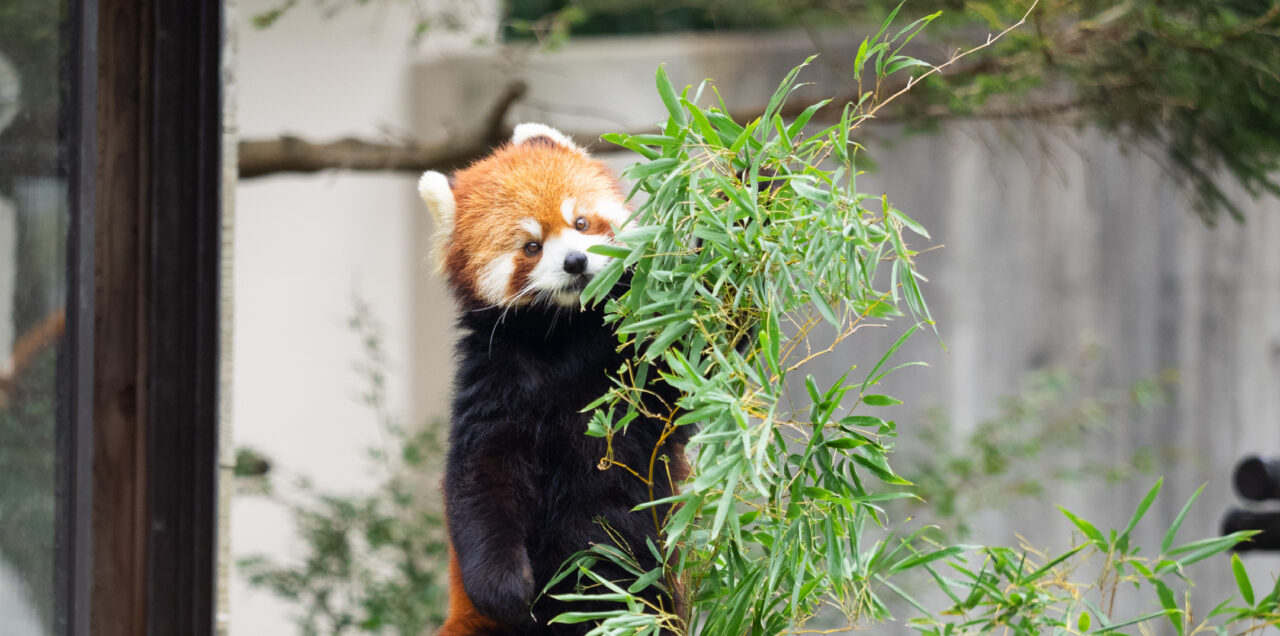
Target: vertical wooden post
120	450
157	278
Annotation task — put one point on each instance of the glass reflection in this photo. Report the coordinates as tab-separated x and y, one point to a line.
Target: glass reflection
33	225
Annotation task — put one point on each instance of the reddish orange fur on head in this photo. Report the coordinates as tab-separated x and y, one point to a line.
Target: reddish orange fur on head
540	188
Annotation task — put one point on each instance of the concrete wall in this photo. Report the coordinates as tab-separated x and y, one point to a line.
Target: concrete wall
1051	235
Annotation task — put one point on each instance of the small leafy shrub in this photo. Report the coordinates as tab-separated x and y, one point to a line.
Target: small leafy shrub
372	563
28	515
1026	591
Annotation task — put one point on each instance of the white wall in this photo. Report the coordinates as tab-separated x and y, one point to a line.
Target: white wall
305	246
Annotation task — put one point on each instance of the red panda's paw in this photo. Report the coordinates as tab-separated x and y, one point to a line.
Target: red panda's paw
504	594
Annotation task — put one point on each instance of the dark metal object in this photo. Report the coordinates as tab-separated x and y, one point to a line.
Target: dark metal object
1258	478
1266	522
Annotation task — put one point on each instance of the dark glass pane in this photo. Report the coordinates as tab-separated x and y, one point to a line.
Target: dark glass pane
33	266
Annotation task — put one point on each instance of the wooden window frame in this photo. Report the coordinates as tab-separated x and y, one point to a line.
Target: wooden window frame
155	322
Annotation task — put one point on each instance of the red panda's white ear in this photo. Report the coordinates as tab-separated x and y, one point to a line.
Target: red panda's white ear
433	187
528	132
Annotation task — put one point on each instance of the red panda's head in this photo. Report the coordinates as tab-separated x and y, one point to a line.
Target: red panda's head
514	228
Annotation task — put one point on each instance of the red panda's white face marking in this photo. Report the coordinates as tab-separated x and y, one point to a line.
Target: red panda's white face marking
566	211
532	227
494	278
515	227
565	265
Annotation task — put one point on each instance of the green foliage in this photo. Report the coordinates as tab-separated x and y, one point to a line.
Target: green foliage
1205	85
616	17
373	563
28	446
753	255
1027	592
270	16
1195	81
1032	446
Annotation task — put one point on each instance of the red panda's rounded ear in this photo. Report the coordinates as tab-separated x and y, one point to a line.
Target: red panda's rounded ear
434	189
531	133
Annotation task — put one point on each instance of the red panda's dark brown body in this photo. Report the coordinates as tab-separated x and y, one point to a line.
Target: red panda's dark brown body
522	486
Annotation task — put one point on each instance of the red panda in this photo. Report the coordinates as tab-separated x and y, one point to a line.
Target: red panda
522	488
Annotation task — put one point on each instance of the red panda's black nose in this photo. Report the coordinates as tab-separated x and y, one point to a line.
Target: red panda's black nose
575	263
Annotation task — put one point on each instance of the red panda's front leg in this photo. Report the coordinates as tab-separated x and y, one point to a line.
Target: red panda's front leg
486	496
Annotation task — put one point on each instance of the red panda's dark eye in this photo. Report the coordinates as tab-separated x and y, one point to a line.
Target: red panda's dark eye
580	224
532	248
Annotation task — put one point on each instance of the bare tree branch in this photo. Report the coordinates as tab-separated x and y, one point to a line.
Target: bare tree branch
287	153
36	340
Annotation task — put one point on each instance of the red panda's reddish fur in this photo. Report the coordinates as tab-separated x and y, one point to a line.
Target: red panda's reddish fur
463	619
522	486
492	197
514	183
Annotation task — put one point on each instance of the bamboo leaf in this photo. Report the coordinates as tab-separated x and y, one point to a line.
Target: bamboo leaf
668	94
1142	509
880	400
888	354
1167	601
1242	579
1177	521
1087	528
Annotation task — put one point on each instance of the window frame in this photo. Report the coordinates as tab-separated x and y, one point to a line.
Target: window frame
183	321
74	403
137	390
155	225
